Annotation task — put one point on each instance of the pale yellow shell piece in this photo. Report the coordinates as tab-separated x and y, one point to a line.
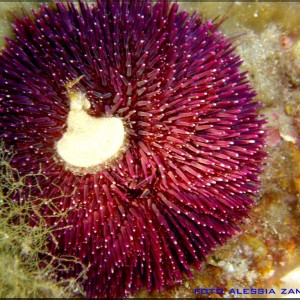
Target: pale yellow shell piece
88	141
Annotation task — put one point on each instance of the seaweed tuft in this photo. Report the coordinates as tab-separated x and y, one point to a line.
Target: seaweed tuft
27	270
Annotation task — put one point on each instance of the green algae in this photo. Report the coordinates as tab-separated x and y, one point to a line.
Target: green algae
23	247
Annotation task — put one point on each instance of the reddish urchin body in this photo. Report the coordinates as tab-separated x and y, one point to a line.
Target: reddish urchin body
186	169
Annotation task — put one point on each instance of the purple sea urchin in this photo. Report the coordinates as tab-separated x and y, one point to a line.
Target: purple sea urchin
188	142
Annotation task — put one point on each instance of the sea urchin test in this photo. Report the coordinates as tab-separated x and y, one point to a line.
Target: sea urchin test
145	132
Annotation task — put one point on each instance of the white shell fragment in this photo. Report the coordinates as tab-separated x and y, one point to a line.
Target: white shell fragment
89	141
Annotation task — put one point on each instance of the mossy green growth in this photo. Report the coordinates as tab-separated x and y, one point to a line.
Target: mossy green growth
26	268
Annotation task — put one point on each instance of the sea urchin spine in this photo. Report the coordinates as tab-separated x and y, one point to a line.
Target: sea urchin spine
185	169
